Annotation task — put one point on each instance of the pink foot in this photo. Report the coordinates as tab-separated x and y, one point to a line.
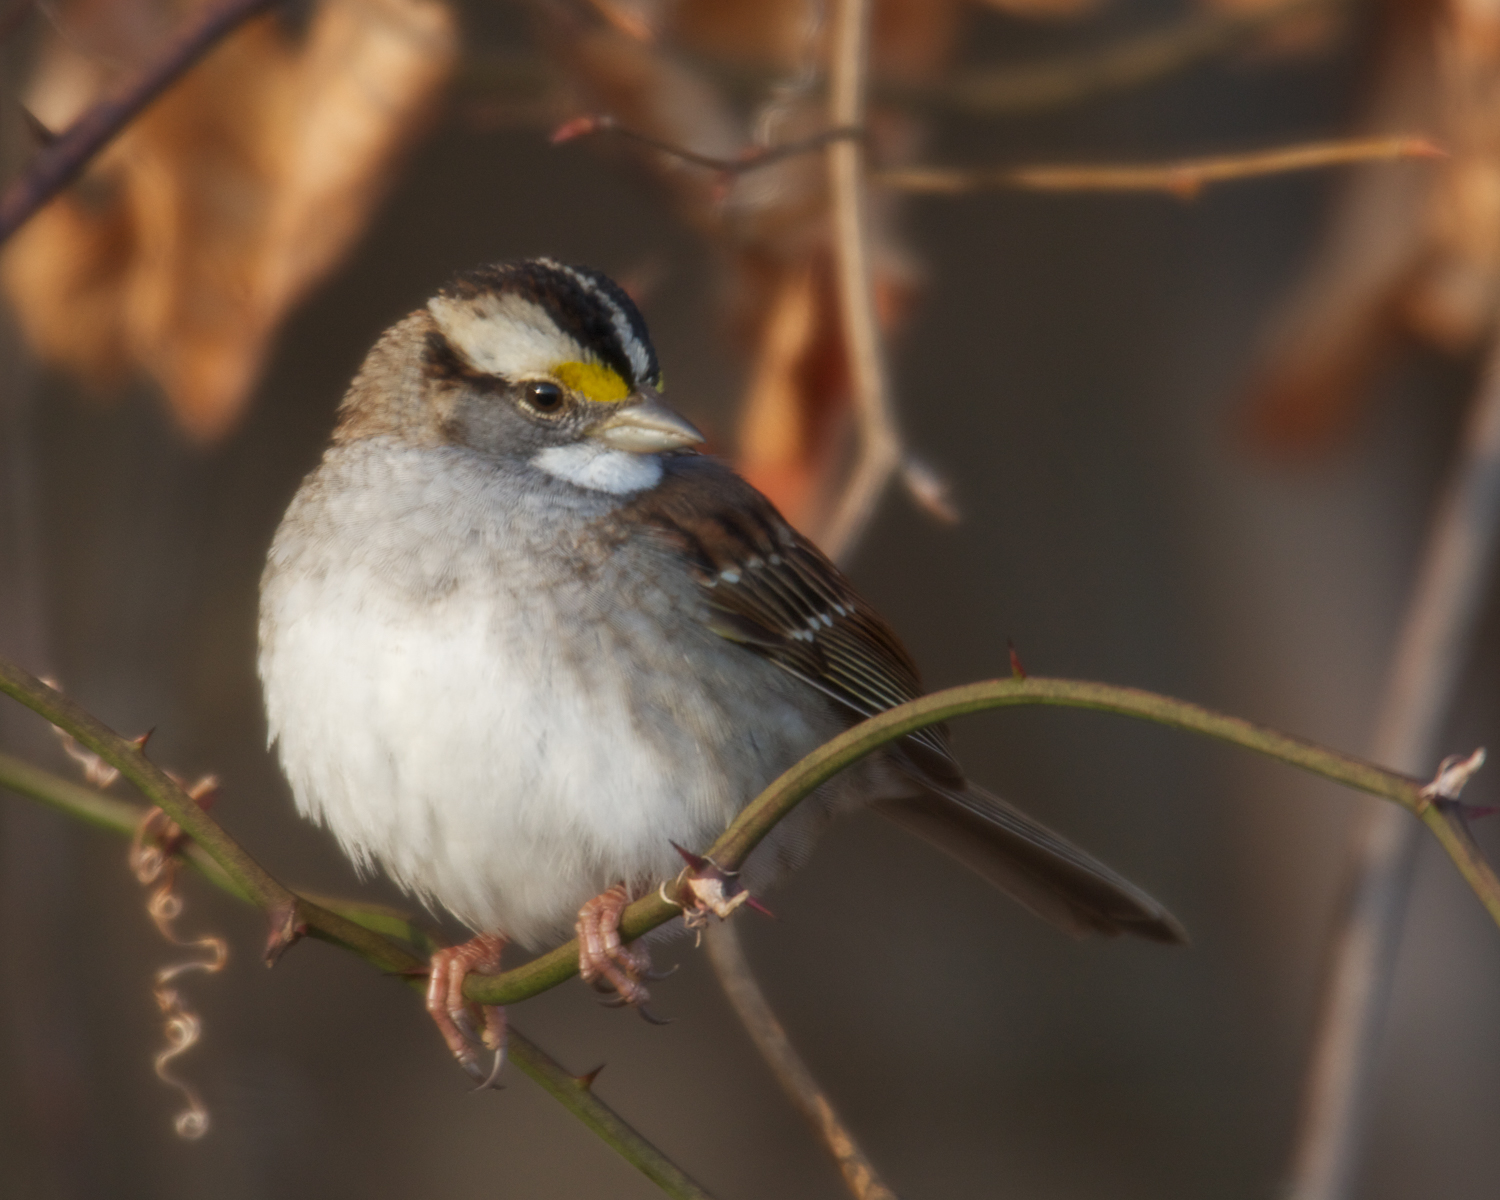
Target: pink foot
450	1012
601	955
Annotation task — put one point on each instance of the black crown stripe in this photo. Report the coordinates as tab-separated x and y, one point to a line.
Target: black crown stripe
582	301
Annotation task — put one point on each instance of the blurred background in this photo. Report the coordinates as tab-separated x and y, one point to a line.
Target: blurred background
1157	488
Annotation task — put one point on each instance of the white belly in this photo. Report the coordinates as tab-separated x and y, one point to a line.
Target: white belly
505	743
480	769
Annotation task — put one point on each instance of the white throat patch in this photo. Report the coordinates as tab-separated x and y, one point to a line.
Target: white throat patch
600	469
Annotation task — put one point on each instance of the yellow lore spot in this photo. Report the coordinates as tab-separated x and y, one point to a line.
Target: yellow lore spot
593	382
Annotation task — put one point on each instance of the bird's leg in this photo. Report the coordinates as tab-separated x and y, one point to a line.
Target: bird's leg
450	1011
602	958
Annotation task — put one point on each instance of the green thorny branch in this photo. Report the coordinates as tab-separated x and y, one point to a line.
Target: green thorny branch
368	931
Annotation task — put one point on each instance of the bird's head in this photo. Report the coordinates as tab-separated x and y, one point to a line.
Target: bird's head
533	360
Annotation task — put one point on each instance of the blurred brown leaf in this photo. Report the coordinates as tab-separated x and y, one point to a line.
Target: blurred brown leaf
1412	250
799	369
908	38
1455	299
1042	9
190	237
1303	32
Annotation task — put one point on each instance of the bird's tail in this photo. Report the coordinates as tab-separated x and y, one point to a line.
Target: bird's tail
1027	861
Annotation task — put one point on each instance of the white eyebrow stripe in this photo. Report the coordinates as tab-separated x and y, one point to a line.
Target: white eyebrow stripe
504	334
640	361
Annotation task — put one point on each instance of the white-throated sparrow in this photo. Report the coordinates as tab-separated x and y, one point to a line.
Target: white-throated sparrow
517	638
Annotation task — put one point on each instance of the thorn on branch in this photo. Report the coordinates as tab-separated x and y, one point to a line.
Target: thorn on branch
1448	784
1017	670
586	1080
929	490
286	930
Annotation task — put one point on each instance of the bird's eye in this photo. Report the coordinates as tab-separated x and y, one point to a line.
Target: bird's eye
543	396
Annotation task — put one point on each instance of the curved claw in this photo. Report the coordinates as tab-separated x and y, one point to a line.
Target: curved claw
489	1080
464	1022
615	1001
469	1062
651	1018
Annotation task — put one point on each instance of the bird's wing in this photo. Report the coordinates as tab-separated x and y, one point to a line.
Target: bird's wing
771	590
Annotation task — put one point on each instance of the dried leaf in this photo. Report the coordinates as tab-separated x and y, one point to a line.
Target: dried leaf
784	437
1045	9
909	39
1456	299
1337	330
189	239
770	226
1299	34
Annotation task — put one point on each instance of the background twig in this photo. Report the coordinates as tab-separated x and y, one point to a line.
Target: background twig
1184	178
1430	656
752	159
59	163
1129	63
524	82
749	1002
877	455
576	1094
878	450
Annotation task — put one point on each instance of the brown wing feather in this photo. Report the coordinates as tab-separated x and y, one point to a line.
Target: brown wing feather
772	591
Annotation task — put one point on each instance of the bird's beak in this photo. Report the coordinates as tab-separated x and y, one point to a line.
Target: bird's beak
644	425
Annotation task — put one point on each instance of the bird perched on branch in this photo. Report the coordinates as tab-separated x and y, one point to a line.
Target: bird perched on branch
518	637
